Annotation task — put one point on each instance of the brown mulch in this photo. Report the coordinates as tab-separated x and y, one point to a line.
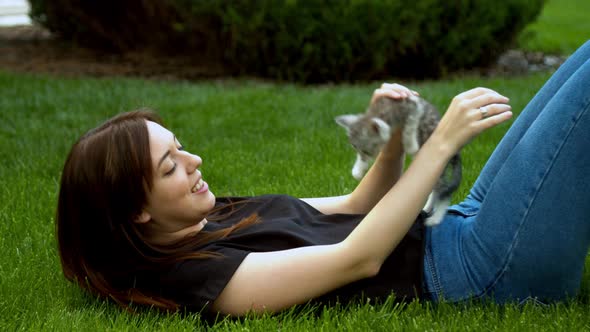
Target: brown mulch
32	49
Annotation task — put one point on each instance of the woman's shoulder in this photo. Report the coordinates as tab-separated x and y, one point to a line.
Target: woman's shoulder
196	283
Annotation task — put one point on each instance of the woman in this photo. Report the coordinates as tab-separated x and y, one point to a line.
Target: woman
137	223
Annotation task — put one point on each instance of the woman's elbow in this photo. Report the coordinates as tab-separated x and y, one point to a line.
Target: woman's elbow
359	264
372	269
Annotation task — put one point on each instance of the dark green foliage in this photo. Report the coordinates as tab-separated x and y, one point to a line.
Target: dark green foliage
305	40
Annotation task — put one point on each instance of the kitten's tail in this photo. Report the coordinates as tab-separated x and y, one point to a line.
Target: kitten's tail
451	179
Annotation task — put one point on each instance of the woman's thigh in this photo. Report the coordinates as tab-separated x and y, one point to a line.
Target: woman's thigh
525	119
528	234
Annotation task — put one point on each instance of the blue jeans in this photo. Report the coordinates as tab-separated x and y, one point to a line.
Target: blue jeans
524	229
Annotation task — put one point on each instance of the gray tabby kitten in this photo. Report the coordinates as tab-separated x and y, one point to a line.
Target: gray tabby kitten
417	119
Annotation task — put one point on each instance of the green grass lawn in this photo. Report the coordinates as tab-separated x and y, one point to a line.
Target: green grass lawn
560	29
255	138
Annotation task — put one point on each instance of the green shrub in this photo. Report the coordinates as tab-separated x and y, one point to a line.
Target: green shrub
302	40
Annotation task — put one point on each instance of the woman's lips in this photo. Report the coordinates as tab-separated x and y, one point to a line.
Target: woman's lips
204	188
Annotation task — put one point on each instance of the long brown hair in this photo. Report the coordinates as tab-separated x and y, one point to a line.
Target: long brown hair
104	186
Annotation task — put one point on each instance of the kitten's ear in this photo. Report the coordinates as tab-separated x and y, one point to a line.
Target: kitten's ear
346	120
381	127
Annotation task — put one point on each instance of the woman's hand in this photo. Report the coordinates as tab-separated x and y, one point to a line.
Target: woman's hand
470	113
395	91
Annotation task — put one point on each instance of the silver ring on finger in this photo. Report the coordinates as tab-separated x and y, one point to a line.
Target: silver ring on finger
484	112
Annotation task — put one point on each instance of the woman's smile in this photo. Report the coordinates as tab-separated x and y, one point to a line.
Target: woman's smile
200	187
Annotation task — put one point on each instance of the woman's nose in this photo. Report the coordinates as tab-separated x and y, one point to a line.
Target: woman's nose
194	162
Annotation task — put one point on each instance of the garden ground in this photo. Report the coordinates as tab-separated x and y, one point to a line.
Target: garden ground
32	49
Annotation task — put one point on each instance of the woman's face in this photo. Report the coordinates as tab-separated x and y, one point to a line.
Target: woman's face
179	198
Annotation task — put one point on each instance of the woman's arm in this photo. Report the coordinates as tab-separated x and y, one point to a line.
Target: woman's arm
384	173
276	280
272	281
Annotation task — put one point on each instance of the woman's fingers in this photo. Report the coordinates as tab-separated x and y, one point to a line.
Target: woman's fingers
395	86
472	112
396	94
480	103
393	90
492	115
477	98
475	92
484	99
489	110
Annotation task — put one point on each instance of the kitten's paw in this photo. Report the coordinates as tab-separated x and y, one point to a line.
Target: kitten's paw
360	168
433	221
358	173
429	203
440	209
411	148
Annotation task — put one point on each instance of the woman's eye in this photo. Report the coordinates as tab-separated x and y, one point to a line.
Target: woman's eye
170	171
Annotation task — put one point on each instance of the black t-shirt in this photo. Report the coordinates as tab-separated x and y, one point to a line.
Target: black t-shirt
286	223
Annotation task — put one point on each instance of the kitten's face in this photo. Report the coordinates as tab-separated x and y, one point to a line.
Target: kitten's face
366	142
365	137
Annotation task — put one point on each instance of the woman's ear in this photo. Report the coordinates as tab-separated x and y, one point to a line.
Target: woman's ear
143	218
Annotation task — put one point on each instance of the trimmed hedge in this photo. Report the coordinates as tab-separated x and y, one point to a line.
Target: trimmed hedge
301	40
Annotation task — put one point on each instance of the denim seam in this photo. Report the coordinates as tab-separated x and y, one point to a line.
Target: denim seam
464	264
432	270
515	239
